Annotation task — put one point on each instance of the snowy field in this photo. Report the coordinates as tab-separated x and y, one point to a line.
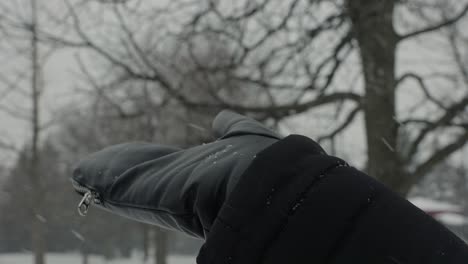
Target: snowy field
74	258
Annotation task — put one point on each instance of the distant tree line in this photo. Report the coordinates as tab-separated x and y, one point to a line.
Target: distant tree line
99	232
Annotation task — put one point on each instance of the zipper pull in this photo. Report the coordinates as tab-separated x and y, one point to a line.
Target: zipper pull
86	201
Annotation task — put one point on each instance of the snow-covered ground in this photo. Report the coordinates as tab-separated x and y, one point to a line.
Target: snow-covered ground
447	213
433	205
75	258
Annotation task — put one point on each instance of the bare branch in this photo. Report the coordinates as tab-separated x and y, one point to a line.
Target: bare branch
422	85
141	54
439	156
155	76
336	61
282	111
16	113
450	113
435	27
101	94
10	88
278	27
13	85
8	147
349	119
457	55
249	10
199	65
112	1
426	122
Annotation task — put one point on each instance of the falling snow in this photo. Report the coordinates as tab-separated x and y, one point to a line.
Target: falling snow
387	145
77	235
41	218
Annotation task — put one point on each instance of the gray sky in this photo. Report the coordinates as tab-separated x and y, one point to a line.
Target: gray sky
422	56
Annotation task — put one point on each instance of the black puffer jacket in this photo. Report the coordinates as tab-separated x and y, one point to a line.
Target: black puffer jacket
289	203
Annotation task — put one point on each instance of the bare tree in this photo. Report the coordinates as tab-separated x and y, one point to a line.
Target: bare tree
20	29
295	56
263	59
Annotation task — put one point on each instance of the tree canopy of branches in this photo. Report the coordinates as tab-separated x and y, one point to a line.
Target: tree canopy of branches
295	57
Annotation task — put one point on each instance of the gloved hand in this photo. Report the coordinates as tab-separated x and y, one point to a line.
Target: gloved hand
179	189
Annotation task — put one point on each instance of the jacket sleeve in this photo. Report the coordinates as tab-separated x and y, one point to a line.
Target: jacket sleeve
166	186
305	206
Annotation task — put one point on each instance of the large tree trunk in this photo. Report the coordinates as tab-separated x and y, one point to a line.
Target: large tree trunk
372	22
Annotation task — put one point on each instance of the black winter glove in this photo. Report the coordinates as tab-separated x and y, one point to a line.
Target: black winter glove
180	189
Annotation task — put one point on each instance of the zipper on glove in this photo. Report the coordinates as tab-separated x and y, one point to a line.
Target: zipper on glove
87	200
89	197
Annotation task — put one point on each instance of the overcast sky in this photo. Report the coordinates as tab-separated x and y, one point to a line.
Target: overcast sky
422	56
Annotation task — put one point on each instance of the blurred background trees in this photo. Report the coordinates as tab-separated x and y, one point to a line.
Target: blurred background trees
383	84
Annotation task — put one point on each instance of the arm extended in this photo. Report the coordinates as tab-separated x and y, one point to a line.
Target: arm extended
179	189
